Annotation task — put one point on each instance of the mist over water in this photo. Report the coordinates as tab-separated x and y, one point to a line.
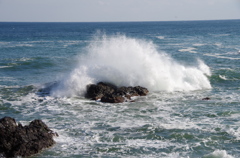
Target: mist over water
125	61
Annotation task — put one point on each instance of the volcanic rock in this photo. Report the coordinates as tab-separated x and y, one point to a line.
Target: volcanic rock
111	94
17	140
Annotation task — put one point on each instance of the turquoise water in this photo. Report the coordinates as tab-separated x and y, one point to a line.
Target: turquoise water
179	62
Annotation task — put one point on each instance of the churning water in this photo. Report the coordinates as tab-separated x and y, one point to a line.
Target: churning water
179	62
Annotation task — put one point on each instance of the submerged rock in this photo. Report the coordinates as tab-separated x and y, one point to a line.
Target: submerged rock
17	140
207	98
111	94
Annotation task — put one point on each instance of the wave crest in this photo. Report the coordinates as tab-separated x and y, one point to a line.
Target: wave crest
125	61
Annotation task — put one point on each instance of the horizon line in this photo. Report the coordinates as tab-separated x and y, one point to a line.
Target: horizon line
112	21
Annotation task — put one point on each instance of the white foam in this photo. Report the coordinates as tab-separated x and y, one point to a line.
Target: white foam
190	50
218	44
7	78
218	154
20	45
198	44
25	59
127	61
2	67
220	56
160	37
233	53
220	35
223	77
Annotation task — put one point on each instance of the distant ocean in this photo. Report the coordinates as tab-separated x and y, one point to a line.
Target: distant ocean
179	62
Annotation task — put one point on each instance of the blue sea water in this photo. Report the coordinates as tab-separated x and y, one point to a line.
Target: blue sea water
179	62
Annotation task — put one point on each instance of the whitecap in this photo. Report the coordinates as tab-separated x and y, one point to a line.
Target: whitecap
2	67
218	44
160	37
218	154
198	44
223	77
190	50
220	56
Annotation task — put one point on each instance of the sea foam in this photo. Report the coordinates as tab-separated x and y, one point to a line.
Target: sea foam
218	154
125	61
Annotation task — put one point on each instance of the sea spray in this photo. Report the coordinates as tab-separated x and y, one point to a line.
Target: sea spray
125	61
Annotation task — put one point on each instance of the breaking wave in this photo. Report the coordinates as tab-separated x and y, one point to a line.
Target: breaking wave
125	61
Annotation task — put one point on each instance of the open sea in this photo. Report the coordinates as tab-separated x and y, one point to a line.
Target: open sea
179	62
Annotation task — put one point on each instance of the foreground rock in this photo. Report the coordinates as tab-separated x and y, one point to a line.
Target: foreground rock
112	94
17	140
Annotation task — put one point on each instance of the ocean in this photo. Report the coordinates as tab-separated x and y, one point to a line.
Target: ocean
179	62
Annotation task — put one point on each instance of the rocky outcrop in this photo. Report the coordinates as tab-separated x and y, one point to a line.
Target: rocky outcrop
109	93
17	140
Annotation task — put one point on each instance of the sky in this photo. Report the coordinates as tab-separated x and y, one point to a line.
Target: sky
117	10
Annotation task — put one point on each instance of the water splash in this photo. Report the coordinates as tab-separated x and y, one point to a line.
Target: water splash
125	61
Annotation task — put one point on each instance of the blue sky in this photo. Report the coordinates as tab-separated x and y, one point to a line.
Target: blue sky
117	10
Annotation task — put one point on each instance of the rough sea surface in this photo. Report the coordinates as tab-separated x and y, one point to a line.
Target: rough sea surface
179	62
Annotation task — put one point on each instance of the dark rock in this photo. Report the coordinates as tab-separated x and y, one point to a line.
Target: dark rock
132	91
141	91
127	91
109	93
17	140
112	98
96	92
207	98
